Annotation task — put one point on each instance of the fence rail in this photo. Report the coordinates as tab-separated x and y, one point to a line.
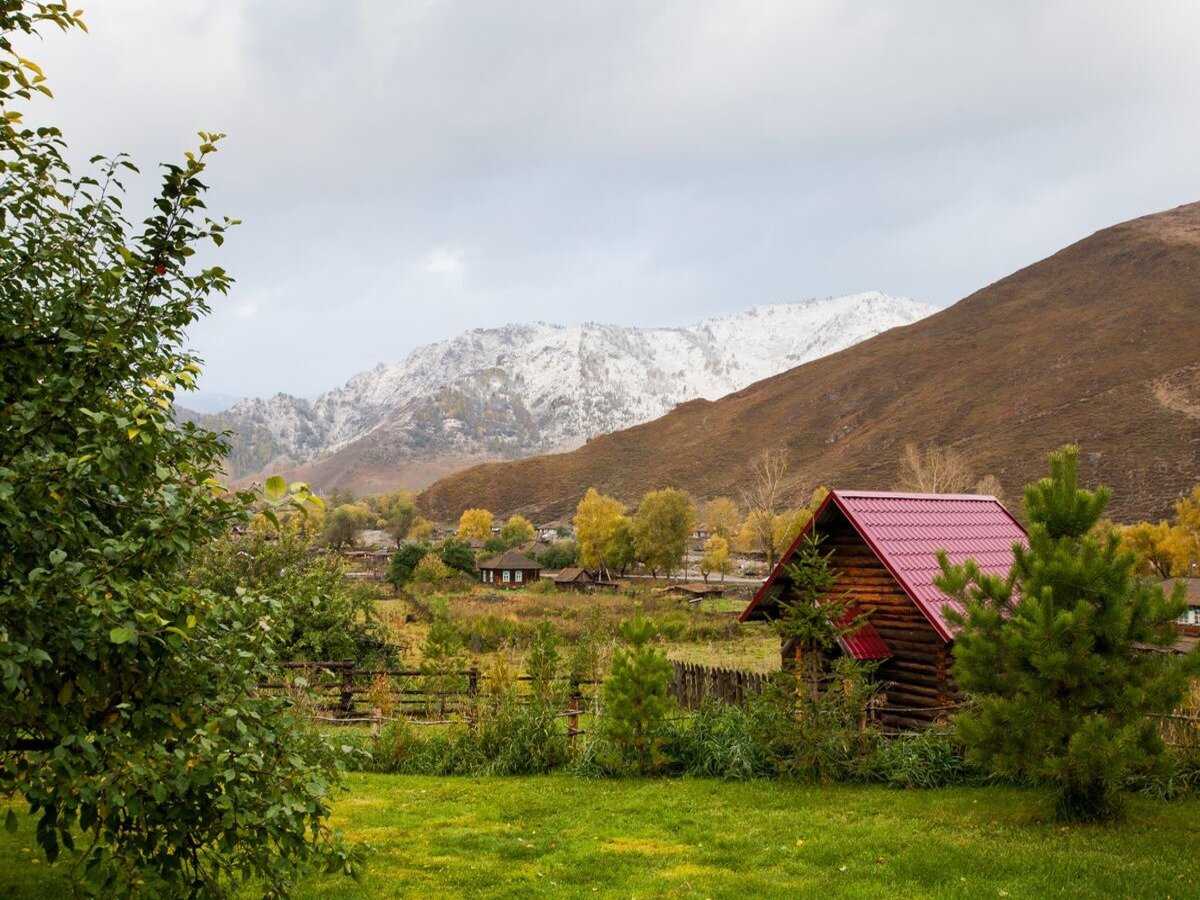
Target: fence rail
337	691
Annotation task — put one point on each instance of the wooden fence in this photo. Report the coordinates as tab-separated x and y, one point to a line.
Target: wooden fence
692	684
339	692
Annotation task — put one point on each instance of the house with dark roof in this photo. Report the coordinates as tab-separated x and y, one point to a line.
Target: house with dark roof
574	577
884	549
510	569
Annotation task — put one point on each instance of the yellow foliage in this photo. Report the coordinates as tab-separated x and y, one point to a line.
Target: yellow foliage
421	530
786	527
595	521
716	556
475	523
721	516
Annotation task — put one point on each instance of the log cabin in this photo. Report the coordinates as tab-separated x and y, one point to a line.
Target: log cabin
509	570
884	550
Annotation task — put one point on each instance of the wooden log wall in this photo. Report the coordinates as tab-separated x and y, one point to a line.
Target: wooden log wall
917	683
692	684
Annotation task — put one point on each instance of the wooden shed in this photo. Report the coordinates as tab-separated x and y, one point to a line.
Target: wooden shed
575	578
884	548
510	569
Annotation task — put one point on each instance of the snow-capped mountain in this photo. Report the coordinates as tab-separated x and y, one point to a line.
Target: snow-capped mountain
525	389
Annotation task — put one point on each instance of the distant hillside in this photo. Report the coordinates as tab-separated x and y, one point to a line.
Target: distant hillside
503	393
1098	344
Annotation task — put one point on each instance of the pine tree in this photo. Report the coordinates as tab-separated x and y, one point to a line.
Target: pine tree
811	616
635	700
1053	655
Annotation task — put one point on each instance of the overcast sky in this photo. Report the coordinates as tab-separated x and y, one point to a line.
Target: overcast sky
407	170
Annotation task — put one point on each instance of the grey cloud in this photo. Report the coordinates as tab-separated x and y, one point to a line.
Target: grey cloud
635	162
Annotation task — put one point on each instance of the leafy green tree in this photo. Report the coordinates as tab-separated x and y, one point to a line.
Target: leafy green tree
404	561
323	615
517	530
620	552
636	701
128	709
1051	653
397	512
343	523
661	527
495	545
458	555
559	555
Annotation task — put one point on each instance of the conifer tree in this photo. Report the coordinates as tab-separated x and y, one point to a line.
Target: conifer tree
635	699
811	616
1055	656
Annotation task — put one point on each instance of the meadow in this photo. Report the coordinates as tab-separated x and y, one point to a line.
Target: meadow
561	836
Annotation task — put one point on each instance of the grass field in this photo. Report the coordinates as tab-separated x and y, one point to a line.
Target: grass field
562	836
705	633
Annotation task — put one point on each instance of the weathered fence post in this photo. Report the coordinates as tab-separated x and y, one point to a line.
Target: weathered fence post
472	694
377	717
573	709
347	694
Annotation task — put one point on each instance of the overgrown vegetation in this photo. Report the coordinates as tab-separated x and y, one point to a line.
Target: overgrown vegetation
127	706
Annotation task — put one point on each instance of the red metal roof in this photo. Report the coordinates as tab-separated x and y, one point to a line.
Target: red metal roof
907	530
865	643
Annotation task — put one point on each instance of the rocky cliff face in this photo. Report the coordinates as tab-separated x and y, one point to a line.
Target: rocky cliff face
524	389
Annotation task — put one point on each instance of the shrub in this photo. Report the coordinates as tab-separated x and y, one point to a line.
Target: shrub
522	739
927	759
823	738
405	560
721	740
458	555
430	570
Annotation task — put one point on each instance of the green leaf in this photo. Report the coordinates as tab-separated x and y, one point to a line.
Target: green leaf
122	634
10	822
275	488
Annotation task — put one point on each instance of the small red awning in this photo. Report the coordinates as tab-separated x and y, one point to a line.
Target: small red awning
865	643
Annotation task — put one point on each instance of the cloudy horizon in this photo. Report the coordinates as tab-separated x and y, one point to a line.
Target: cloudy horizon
408	171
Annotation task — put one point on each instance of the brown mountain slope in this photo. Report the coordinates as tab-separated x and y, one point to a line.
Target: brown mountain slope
1098	344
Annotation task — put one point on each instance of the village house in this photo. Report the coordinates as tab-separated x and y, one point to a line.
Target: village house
574	578
509	570
884	549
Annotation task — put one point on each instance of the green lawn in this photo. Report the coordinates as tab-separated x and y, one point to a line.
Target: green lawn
562	836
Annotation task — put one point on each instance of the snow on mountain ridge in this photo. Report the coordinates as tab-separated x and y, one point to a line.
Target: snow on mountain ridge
525	388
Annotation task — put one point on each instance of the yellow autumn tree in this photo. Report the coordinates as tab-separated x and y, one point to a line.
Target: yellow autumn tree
596	519
786	527
716	557
1154	545
1185	541
475	523
420	530
721	516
